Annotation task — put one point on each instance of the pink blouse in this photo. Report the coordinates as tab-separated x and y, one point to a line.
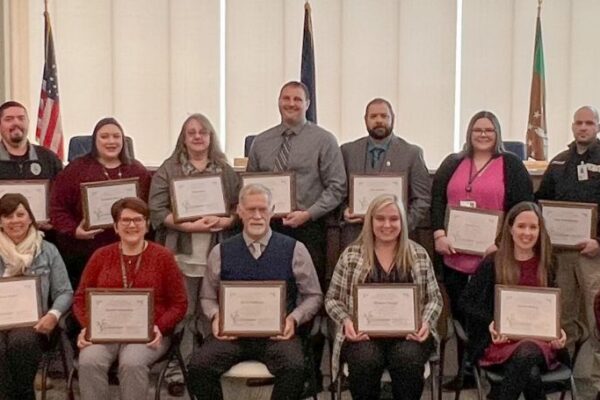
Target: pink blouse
486	190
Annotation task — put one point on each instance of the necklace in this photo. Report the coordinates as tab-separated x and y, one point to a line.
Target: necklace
108	176
472	176
138	262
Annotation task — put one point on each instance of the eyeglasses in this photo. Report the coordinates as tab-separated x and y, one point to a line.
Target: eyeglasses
480	131
135	220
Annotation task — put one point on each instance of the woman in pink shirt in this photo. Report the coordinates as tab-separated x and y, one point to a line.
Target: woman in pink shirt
483	175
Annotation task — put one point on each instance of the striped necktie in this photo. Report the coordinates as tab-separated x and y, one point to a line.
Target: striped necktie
283	157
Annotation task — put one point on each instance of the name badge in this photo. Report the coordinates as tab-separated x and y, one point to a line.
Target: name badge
468	203
582	172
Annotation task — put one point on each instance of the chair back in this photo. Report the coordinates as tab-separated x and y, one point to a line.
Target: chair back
81	145
517	148
248	144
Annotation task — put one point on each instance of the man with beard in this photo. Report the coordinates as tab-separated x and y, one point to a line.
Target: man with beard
20	159
381	153
574	175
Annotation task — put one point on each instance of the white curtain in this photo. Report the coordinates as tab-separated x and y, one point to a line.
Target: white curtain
150	63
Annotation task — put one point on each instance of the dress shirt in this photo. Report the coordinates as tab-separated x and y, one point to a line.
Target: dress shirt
316	160
378	147
310	297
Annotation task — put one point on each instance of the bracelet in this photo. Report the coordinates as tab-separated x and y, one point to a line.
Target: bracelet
439	236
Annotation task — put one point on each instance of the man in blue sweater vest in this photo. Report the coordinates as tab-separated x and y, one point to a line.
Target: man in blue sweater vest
257	253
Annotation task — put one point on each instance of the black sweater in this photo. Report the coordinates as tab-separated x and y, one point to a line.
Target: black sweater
517	185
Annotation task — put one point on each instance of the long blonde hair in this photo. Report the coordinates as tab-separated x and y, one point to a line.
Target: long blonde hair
506	266
404	257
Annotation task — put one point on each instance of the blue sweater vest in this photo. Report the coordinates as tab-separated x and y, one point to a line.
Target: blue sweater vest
274	264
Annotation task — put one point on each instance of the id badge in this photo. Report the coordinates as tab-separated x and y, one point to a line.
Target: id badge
582	172
468	203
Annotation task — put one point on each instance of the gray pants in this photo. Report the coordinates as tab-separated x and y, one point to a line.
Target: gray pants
134	368
579	279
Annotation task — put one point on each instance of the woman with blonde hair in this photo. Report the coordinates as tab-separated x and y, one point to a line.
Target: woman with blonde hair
523	258
383	253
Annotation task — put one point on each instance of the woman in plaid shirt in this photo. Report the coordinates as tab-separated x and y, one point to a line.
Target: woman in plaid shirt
383	254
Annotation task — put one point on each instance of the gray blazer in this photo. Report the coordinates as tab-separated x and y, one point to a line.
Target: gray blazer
401	157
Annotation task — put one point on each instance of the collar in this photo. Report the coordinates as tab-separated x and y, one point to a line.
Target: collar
592	148
5	155
264	241
382	144
297	129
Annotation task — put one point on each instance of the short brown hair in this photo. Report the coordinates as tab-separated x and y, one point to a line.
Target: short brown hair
11	201
9	104
132	203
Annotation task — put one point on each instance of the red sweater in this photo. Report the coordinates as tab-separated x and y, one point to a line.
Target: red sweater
65	200
158	270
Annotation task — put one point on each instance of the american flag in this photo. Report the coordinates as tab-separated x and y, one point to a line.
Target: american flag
49	128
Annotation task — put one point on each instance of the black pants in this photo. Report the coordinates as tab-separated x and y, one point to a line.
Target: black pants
20	354
314	236
522	374
404	359
455	283
284	359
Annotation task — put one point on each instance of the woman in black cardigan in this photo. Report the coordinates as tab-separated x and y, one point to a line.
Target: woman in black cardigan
483	175
523	258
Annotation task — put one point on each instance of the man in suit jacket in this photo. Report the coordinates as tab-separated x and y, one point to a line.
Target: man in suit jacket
382	152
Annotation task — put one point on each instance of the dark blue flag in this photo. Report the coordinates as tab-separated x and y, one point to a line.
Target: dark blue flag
307	69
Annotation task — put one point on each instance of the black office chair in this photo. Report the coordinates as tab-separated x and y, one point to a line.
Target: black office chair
56	348
248	144
558	380
82	145
517	148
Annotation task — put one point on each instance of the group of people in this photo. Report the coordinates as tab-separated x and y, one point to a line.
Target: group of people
187	260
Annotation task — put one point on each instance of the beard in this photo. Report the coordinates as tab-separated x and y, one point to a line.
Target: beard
380	132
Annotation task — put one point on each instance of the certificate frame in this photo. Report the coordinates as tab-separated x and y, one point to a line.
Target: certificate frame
451	232
88	215
32	189
230	289
31	289
261	177
358	181
406	290
591	207
544	294
113	294
178	206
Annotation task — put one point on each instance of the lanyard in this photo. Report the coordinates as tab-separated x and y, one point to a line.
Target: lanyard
127	285
472	177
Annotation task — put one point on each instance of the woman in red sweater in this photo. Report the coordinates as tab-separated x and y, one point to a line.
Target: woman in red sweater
107	160
131	263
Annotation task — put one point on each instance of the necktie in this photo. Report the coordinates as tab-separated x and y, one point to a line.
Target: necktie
376	153
283	157
256	250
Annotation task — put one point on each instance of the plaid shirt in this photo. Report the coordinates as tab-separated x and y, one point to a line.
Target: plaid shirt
352	269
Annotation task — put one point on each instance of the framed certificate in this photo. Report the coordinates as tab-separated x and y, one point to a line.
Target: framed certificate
120	315
386	310
472	230
20	302
98	197
197	196
569	223
364	188
35	191
527	312
282	186
252	308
